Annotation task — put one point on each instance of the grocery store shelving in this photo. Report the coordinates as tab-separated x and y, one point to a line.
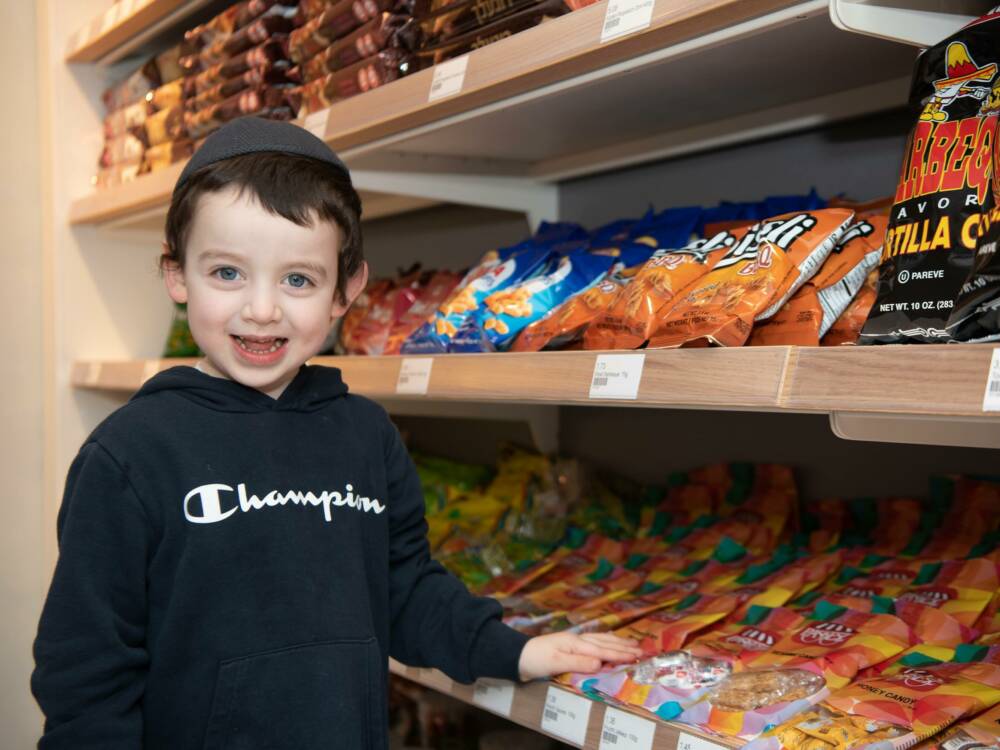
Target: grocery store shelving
127	24
553	102
920	23
928	394
529	701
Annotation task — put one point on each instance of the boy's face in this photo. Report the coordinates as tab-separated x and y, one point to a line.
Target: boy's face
261	291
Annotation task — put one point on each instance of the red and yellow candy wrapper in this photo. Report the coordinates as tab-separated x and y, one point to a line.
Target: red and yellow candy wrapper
981	732
615	613
988	624
973	512
668	630
562	564
583	590
759	630
961	588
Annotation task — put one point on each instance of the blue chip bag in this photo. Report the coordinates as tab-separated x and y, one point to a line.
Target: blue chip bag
672	227
506	312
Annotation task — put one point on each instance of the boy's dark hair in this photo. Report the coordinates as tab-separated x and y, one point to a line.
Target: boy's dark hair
293	187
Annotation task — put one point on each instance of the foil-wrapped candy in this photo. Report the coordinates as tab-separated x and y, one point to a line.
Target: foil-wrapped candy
679	669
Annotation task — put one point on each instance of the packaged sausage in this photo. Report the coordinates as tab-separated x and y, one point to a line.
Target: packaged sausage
126	149
233	18
365	75
386	30
166	96
811	311
166	125
506	312
566	323
272	53
263	101
943	190
754	278
168	63
165	154
632	315
255	77
252	35
336	20
127	120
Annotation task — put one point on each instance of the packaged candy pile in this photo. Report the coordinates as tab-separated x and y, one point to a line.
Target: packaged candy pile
769	620
787	270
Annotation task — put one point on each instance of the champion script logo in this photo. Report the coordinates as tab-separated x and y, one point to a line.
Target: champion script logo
211	497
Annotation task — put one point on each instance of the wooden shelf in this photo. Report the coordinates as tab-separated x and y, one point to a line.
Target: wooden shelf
932	381
528	704
126	24
553	103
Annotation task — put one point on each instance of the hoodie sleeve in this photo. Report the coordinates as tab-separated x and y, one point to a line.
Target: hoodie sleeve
436	622
90	651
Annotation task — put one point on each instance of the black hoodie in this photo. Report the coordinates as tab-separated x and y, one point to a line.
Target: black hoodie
234	571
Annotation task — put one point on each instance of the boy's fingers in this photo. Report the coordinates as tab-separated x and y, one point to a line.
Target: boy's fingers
613	641
577	663
587	648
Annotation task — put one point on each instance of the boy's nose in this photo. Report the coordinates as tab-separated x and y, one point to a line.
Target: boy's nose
262	309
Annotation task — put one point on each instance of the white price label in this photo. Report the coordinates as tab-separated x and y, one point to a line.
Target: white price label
617	376
566	715
448	78
991	399
687	741
315	123
414	376
625	17
494	695
623	730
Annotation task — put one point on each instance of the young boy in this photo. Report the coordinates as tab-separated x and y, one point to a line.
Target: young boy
242	545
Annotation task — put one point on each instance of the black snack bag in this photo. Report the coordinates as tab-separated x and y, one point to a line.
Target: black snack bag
943	190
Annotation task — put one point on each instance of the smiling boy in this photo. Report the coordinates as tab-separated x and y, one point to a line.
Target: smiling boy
242	545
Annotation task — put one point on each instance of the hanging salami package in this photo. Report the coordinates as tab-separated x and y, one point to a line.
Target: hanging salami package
936	220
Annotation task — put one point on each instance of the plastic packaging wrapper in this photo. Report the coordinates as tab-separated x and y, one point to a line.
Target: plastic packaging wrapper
133	89
431	293
263	101
126	149
253	78
166	96
250	36
566	323
812	310
669	630
382	68
982	732
166	125
335	21
385	30
943	194
168	62
847	328
506	312
753	280
271	54
230	20
127	120
162	156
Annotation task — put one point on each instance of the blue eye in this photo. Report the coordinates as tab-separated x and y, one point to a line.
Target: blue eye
227	273
298	281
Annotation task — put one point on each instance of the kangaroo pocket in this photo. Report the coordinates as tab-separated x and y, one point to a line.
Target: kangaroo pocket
308	697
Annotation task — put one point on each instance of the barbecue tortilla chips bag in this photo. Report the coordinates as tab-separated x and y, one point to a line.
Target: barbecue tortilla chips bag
753	280
944	189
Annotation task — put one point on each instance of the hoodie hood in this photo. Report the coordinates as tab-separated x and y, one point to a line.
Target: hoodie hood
312	388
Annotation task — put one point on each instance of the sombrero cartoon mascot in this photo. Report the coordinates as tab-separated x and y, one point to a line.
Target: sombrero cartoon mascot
965	78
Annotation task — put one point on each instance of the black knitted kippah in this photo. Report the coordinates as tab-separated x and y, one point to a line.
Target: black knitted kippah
249	135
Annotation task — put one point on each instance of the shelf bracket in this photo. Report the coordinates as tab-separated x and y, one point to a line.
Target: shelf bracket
539	200
921	23
965	432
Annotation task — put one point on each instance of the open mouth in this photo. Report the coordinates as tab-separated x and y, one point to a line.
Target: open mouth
260	344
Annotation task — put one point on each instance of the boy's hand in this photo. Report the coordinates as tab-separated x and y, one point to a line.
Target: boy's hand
547	655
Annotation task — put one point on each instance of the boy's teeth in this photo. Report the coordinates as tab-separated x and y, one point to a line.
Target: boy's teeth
260	347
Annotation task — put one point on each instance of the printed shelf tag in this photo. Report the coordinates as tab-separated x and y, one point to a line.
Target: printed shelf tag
626	17
494	695
991	399
624	730
617	376
448	78
566	715
414	376
687	741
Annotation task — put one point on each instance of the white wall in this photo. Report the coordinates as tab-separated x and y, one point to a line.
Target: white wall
21	534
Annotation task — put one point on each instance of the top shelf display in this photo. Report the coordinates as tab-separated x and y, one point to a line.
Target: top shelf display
555	102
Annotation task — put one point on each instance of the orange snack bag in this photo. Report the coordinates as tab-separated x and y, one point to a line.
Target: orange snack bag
798	323
668	630
753	280
565	325
759	630
632	314
847	328
961	588
981	732
615	613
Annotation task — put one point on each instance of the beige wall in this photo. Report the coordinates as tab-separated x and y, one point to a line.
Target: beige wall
21	533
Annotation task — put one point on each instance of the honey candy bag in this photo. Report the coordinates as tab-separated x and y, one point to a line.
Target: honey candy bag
670	629
615	613
981	732
960	588
753	280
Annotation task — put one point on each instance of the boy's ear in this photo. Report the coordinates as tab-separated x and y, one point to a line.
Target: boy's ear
173	276
355	285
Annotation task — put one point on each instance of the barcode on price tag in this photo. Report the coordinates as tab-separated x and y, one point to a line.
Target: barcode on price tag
414	376
448	78
623	730
687	741
991	399
494	695
625	17
566	716
617	376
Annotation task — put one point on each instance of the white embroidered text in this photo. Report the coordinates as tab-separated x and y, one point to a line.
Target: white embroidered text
212	497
